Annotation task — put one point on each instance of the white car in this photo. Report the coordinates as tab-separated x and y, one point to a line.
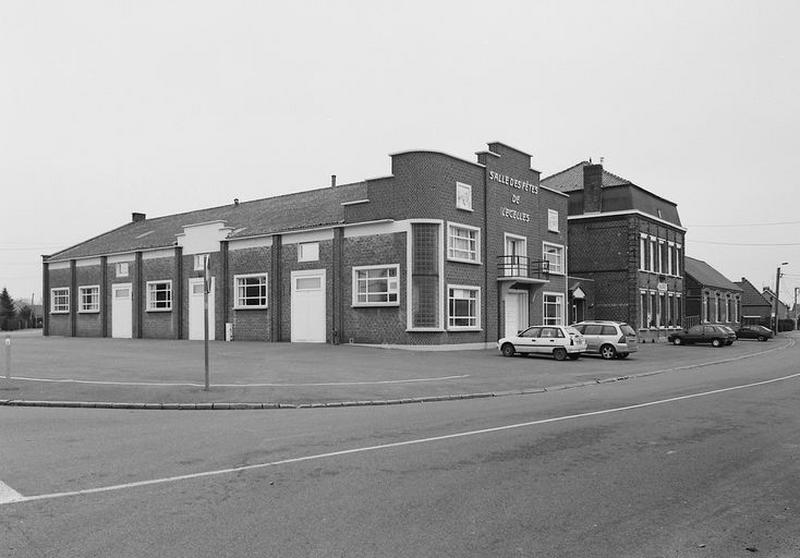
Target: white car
559	341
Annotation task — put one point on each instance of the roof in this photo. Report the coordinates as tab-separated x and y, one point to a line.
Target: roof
707	275
750	295
571	179
313	208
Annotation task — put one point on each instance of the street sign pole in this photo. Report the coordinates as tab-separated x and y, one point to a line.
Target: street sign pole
205	320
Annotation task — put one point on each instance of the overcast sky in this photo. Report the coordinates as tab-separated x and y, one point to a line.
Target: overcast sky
109	107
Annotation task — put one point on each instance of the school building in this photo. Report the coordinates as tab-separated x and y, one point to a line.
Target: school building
441	252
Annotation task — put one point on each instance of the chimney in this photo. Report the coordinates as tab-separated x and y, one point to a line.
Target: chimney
592	188
333	181
235	201
137	217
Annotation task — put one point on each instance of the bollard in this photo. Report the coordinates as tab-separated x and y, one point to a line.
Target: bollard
8	357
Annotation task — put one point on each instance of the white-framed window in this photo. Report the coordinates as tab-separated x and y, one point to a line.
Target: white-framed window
122	269
643	253
463	196
552	220
159	296
376	285
463	307
463	243
554	253
652	254
200	262
251	291
308	252
678	261
89	299
59	300
553	308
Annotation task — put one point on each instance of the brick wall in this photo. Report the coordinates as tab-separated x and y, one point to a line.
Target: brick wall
60	323
249	324
158	324
89	324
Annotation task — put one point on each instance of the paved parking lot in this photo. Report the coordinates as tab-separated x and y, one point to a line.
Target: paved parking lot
159	371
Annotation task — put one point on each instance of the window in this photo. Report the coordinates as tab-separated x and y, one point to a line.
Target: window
662	257
553	308
554	254
663	310
463	196
463	243
251	291
643	253
200	262
122	269
644	321
159	296
376	285
463	306
653	309
308	252
89	299
652	258
678	261
59	300
552	220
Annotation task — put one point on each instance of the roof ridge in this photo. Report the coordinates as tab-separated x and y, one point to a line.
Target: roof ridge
565	170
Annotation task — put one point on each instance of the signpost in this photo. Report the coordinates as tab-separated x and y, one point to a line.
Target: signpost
206	289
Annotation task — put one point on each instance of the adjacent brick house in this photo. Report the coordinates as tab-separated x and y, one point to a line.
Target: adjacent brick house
710	296
755	308
630	242
443	251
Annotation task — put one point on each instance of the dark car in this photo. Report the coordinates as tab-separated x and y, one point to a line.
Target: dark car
716	335
754	332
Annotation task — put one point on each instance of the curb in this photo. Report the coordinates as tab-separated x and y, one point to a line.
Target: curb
235	406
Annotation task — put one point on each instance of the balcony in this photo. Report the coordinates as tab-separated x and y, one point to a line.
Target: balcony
522	269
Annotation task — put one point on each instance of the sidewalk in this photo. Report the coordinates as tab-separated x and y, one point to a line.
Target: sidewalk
168	374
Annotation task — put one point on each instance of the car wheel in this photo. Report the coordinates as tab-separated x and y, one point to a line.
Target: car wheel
762	338
507	349
677	341
715	343
622	355
559	353
608	352
575	356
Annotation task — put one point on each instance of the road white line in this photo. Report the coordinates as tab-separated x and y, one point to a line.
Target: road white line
394	444
8	495
190	384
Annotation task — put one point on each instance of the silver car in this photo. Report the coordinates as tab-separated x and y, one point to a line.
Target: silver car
608	339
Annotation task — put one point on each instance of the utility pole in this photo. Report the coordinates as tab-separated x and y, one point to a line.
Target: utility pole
206	288
796	290
777	295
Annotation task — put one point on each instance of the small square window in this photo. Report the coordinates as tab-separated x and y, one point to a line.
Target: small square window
554	254
376	285
463	307
251	291
463	243
89	298
463	196
159	296
200	262
308	252
122	269
59	301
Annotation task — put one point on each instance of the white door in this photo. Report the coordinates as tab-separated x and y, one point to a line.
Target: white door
196	325
122	310
516	312
308	306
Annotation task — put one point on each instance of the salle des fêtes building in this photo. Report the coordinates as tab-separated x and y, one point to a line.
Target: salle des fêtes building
441	251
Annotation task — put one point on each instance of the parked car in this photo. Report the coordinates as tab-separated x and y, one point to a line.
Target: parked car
608	339
715	334
754	332
560	341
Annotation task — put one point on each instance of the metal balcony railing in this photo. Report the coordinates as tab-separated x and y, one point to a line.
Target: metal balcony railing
522	266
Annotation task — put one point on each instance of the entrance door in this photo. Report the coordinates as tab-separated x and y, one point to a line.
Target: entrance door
516	312
308	306
196	325
121	311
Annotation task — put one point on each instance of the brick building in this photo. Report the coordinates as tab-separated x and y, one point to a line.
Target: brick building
755	308
630	242
443	251
710	296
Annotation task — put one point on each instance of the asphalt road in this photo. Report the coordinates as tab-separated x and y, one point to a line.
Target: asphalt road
701	462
